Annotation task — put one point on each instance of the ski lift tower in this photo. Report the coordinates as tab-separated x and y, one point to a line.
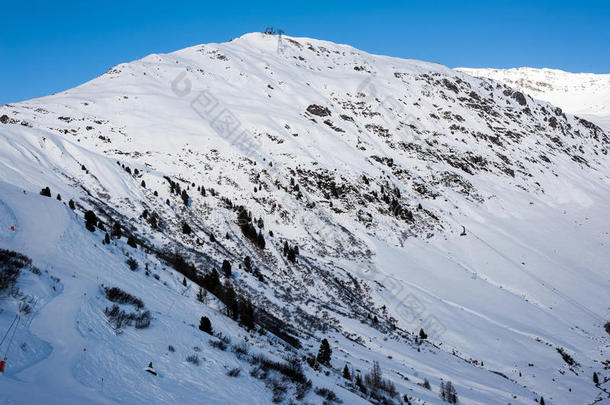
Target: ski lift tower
280	45
269	31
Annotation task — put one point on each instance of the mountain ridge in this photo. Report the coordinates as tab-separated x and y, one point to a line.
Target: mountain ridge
371	166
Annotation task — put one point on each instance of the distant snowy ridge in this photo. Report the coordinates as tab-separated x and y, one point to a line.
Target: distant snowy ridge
583	94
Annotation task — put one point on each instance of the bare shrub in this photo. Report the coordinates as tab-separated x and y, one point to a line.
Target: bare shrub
234	372
119	296
218	344
193	359
329	396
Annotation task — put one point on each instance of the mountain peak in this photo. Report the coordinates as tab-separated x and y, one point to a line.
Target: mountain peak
240	203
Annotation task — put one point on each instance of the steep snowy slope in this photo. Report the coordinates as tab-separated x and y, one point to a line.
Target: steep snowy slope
372	166
584	94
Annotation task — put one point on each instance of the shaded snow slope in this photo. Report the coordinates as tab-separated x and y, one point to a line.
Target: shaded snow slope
373	166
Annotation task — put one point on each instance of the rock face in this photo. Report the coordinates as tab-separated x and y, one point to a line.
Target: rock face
318	110
335	184
520	98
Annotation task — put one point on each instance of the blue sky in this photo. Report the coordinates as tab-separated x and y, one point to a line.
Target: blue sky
46	47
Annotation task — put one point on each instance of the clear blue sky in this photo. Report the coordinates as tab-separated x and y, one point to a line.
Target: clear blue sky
49	46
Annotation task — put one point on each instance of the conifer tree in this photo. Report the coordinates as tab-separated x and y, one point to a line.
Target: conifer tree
116	230
201	295
248	264
46	192
90	220
324	353
226	268
205	325
291	256
230	301
132	242
346	373
422	334
185	197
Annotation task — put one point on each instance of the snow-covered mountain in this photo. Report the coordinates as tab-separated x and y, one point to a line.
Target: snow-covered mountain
356	198
583	94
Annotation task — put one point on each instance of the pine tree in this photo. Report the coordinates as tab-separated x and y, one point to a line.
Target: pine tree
132	242
248	264
541	400
286	248
246	313
71	205
595	378
359	384
325	353
185	197
90	220
230	300
375	378
107	239
186	229
346	373
226	268
450	393
58	197
184	281
46	192
205	325
422	334
201	295
291	256
260	240
116	230
143	184
153	221
212	238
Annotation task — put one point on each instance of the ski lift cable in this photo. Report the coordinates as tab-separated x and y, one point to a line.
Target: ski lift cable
12	337
27	322
9	329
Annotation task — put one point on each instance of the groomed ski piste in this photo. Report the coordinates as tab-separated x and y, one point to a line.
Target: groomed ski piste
515	308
